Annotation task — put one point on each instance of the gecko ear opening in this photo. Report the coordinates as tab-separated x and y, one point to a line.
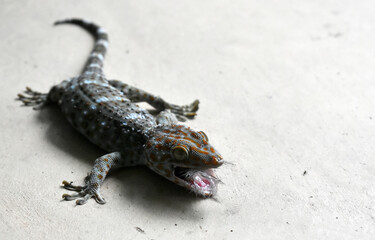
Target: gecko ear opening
204	135
180	153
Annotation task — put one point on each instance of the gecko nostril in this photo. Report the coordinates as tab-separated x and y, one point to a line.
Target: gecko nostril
217	161
220	160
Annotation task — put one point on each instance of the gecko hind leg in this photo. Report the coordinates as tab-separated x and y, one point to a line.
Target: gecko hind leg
33	98
137	95
166	117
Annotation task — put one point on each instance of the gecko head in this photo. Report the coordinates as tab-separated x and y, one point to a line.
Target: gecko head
184	157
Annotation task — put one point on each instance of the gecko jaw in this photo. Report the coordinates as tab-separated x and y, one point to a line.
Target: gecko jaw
202	181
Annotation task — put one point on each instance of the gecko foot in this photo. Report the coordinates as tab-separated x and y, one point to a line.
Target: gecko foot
83	195
33	98
181	112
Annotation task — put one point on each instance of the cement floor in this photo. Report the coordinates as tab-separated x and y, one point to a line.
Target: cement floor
287	96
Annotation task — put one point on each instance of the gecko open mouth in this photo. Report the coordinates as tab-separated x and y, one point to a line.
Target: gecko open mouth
201	181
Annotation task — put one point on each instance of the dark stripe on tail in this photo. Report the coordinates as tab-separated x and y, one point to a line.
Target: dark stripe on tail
95	61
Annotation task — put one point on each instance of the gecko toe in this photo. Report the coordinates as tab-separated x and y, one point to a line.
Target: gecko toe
69	186
195	106
99	199
83	200
69	197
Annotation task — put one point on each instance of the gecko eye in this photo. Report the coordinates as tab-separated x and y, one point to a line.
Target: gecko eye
203	135
180	153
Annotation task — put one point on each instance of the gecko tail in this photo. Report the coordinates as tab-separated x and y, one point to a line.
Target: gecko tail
95	61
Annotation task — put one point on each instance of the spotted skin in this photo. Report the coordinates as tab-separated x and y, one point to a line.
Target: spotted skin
105	111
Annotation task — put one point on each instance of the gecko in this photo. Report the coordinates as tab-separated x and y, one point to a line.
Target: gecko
106	112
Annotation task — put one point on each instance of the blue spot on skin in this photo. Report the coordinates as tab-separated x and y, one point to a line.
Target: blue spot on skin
98	55
88	81
102	42
101	99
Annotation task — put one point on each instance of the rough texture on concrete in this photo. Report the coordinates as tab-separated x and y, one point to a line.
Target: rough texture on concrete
287	95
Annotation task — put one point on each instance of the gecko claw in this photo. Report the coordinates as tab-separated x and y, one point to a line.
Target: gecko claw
71	187
190	114
65	195
195	106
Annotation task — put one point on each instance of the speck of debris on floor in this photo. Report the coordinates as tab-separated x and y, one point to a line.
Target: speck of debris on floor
139	229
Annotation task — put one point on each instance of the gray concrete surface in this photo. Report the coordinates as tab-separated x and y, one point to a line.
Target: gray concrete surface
287	95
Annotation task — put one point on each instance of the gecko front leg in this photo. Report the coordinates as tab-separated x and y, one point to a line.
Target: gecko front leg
94	180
